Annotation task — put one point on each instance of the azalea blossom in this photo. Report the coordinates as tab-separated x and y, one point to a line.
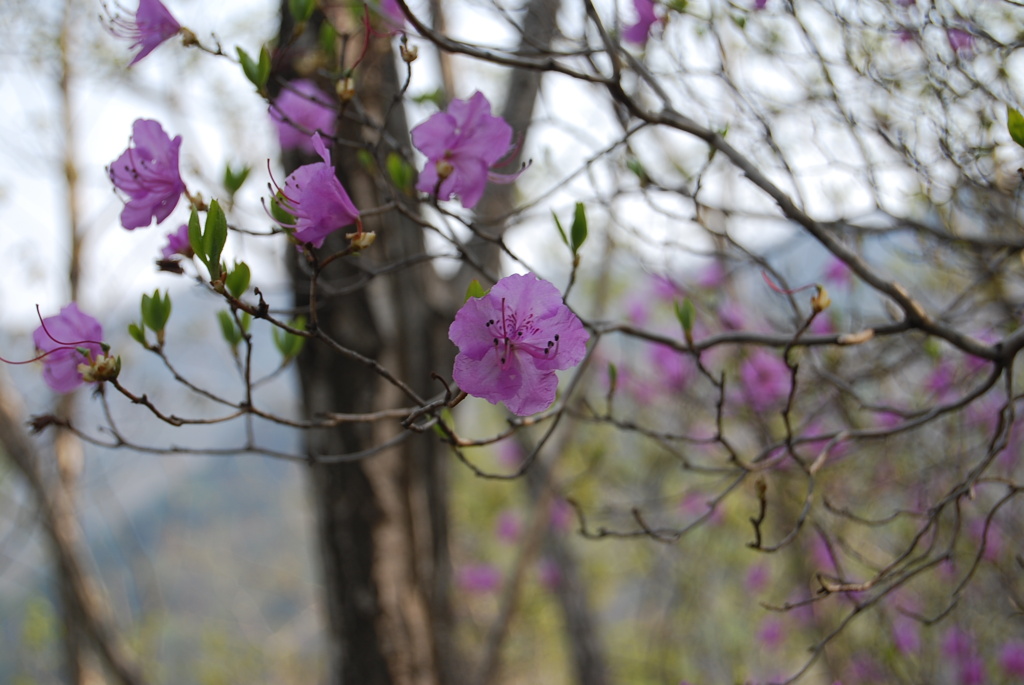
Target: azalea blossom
639	32
300	110
392	14
765	379
314	196
177	243
150	27
512	340
960	41
461	145
62	338
147	172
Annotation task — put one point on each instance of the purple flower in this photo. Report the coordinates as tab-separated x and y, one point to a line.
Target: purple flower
639	32
961	41
512	340
1011	660
152	25
147	172
765	379
61	337
300	110
510	526
392	14
478	578
906	635
177	243
314	196
461	146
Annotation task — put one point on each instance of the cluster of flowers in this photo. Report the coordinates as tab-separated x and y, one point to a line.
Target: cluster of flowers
511	341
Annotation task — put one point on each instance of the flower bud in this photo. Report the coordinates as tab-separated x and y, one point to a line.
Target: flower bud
821	300
346	89
362	239
409	54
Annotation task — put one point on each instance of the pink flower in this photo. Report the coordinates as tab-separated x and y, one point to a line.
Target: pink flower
961	41
478	578
177	243
461	146
906	635
392	14
1011	660
510	526
838	273
314	196
62	336
639	32
152	25
765	378
147	172
512	340
300	110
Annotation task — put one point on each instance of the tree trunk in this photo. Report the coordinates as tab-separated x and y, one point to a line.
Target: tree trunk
381	520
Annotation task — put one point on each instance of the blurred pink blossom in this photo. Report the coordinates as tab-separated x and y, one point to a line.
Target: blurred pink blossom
510	526
1011	660
481	578
765	379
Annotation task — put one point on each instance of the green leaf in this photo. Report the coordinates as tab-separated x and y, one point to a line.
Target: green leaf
634	165
245	320
366	160
578	232
138	334
233	180
214	238
263	71
301	10
156	311
474	290
686	313
561	231
280	214
249	67
400	171
195	236
328	38
1015	125
228	329
237	281
613	378
289	344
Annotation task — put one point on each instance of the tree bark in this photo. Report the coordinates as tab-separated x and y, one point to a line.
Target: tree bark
381	521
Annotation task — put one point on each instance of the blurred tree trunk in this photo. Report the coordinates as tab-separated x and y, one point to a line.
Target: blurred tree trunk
382	526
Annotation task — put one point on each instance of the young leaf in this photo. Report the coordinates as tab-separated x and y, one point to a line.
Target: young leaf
474	290
195	236
228	329
1015	125
400	172
138	334
301	10
214	238
237	281
233	180
685	312
578	233
249	67
263	70
561	231
289	344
